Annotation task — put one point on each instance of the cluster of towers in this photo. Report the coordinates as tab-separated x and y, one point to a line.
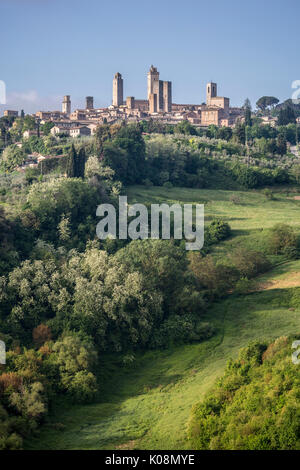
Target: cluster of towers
159	99
159	93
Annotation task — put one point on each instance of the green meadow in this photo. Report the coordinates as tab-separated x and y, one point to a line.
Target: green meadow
147	404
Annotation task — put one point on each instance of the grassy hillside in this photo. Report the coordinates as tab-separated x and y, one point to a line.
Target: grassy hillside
147	404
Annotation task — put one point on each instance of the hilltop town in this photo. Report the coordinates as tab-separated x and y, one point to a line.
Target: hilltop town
158	106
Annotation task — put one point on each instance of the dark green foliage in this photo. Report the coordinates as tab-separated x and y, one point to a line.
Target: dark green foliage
286	116
80	163
185	127
54	164
266	101
240	133
247	112
281	144
178	330
103	134
125	154
218	230
72	163
255	405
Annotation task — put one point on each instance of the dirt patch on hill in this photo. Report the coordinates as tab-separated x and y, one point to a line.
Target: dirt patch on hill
297	198
130	445
291	280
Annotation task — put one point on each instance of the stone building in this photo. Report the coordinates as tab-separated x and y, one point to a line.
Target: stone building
212	98
78	114
117	90
141	105
130	102
10	113
66	105
80	131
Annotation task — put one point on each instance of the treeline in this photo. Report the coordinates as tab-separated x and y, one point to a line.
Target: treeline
244	157
191	162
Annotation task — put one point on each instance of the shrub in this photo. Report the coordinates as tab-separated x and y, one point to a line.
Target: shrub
249	263
180	329
269	194
148	183
243	286
217	279
283	240
83	387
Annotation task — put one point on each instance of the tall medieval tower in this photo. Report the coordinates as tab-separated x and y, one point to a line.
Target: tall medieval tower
89	102
153	81
66	105
211	92
118	90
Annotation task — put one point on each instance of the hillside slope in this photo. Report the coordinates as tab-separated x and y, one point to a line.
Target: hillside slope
148	404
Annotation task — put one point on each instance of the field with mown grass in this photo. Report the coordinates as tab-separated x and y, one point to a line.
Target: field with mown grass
147	403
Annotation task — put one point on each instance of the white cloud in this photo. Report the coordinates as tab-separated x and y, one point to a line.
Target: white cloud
30	101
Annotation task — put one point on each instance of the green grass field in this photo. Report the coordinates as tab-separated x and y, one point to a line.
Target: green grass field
147	405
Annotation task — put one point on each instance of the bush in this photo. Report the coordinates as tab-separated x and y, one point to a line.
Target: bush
269	194
83	387
249	263
180	329
217	279
243	286
283	241
148	183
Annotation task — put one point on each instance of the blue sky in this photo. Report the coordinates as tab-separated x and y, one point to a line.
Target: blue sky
54	47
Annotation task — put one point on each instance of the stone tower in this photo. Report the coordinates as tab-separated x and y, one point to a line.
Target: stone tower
66	105
118	90
211	92
89	102
167	97
153	81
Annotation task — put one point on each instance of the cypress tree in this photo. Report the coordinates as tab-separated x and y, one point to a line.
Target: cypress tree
81	163
72	163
